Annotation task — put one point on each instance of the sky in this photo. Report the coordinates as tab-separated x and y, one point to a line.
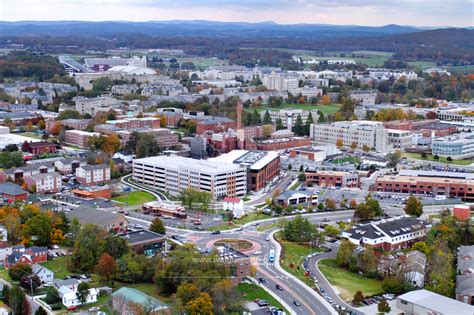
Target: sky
340	12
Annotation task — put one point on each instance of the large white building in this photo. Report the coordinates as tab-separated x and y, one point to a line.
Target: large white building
280	82
458	146
94	105
370	133
288	116
364	97
174	174
400	139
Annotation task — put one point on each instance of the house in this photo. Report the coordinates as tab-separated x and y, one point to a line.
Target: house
106	219
465	275
389	234
424	302
124	299
69	165
461	212
6	250
410	265
38	148
63	286
3	233
144	241
93	174
69	297
4	309
236	205
44	183
29	256
10	192
297	197
43	273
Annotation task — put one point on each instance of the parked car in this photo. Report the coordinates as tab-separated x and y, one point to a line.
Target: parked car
278	287
215	232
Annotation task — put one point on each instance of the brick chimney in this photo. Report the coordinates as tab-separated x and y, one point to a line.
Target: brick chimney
239	114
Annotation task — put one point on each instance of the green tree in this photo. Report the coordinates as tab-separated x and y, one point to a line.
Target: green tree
367	262
299	230
69	114
256	120
187	292
299	128
19	270
279	124
266	118
157	226
422	247
82	292
414	207
344	253
41	311
52	295
16	300
88	247
40	228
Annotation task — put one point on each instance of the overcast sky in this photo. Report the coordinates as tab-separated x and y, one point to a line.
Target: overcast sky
360	12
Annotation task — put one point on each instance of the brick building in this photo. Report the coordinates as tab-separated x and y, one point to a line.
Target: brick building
79	138
332	178
389	234
281	144
309	153
215	124
38	148
133	123
27	256
11	192
451	187
93	174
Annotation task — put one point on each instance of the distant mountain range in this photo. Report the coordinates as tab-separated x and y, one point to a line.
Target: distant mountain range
200	28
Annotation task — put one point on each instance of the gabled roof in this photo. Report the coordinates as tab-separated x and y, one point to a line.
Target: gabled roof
37	268
90	167
94	216
11	189
231	200
40	176
15	256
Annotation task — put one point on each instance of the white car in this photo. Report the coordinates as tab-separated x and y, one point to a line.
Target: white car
257	253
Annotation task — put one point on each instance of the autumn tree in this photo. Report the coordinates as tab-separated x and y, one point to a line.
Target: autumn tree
414	207
367	262
202	305
339	143
365	148
187	292
326	100
111	144
29	126
267	130
358	297
353	204
330	204
354	145
163	121
383	306
157	226
106	267
344	253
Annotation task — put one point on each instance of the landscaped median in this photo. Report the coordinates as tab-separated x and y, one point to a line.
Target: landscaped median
251	292
347	282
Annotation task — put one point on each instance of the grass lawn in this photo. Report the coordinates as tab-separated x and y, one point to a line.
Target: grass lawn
251	292
326	109
253	216
135	198
58	266
440	160
350	159
4	274
422	64
31	135
347	282
262	228
293	256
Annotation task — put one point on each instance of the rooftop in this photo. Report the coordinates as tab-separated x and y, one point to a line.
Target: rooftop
254	159
138	297
437	303
183	163
94	216
11	189
435	180
142	236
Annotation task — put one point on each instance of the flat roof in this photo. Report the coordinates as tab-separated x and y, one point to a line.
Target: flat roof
460	175
255	159
436	302
183	163
414	179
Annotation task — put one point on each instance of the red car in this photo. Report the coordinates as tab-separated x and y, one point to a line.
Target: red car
73	308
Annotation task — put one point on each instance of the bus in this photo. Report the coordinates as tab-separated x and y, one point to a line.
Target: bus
271	256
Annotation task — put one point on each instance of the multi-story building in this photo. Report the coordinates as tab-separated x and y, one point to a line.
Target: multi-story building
93	174
280	143
78	137
307	92
280	82
262	167
18	173
332	178
297	197
215	124
27	256
94	105
69	165
465	275
172	118
133	123
388	234
288	116
452	187
458	147
174	174
76	124
364	97
43	183
424	302
369	133
399	139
